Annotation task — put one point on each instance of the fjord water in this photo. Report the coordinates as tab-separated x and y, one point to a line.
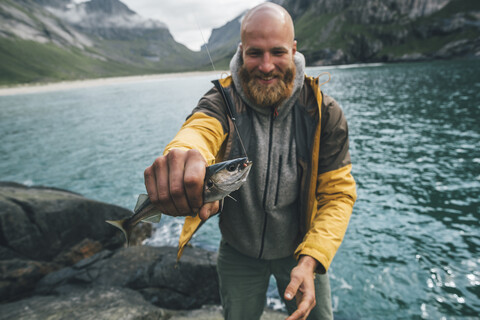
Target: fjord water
412	248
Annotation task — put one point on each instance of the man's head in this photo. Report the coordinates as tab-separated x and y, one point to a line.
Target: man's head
268	47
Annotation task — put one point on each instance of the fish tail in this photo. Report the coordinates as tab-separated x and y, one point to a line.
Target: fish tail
121	224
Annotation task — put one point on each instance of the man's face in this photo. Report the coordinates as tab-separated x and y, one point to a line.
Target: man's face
268	69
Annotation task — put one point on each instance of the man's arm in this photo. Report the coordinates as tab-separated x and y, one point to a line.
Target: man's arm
335	191
174	181
335	196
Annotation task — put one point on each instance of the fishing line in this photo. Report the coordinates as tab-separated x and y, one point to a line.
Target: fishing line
222	91
329	78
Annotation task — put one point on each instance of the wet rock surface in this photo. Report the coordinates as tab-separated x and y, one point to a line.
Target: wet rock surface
153	272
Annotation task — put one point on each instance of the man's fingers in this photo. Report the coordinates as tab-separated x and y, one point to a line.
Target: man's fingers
176	168
151	184
305	305
161	197
302	286
292	287
174	182
208	210
194	176
155	178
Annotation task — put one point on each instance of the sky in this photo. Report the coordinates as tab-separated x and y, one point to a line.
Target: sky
185	17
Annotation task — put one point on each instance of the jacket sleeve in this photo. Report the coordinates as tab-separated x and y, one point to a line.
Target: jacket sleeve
205	128
335	189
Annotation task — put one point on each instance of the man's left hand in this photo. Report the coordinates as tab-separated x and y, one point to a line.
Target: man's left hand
302	287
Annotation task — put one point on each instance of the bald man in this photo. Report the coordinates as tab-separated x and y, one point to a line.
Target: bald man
292	213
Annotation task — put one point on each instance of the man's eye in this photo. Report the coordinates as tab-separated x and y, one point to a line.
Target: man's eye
278	53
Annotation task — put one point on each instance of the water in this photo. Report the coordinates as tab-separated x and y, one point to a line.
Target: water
412	247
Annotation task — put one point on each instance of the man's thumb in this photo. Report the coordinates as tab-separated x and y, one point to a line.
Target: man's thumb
292	289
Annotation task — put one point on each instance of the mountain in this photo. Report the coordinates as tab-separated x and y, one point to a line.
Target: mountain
352	31
386	30
51	40
223	42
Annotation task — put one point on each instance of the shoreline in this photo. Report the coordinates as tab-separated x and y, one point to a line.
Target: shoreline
87	83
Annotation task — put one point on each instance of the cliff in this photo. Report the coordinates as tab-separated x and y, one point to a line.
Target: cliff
338	32
345	31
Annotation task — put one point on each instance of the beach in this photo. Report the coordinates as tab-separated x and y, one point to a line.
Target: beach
76	84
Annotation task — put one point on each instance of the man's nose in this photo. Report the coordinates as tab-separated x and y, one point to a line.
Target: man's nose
266	64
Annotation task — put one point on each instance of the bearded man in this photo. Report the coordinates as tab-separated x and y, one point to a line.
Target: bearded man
292	213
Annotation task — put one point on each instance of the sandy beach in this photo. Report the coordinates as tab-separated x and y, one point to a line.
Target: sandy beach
66	85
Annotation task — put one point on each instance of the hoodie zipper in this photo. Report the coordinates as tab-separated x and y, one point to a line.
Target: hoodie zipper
270	143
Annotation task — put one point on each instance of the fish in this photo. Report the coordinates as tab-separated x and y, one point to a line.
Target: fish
221	179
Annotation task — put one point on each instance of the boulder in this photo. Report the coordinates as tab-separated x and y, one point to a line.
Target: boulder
107	303
152	271
85	304
45	229
40	223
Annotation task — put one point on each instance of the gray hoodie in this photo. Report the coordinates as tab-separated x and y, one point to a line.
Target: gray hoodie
265	222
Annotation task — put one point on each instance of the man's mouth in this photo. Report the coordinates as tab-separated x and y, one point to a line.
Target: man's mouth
267	79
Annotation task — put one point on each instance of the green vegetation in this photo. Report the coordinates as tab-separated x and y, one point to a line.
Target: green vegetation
316	34
426	46
23	61
457	6
321	27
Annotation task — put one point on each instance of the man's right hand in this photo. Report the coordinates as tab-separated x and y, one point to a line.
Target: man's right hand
174	184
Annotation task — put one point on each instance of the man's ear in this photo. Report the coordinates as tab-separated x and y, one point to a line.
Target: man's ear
294	47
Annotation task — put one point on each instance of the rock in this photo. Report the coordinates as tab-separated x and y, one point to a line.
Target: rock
40	223
214	312
85	304
45	229
459	47
20	276
107	303
151	271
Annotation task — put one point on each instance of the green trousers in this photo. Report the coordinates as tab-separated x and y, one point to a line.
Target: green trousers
244	283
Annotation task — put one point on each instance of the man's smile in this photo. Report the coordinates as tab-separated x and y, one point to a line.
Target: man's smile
267	80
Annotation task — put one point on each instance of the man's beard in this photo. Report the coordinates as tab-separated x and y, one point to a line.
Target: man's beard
267	95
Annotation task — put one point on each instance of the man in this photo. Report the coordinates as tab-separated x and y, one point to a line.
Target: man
292	213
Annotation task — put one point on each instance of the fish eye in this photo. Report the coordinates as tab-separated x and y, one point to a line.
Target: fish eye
231	167
209	183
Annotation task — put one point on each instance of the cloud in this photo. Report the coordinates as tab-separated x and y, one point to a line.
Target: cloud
185	17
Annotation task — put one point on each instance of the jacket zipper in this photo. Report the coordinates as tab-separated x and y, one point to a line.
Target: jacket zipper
270	143
278	179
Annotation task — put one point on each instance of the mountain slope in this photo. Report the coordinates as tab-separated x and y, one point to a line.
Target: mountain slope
223	42
51	40
345	31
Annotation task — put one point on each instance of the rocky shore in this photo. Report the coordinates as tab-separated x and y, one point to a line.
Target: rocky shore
60	260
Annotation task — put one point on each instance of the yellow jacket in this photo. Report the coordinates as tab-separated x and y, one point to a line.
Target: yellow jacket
328	190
